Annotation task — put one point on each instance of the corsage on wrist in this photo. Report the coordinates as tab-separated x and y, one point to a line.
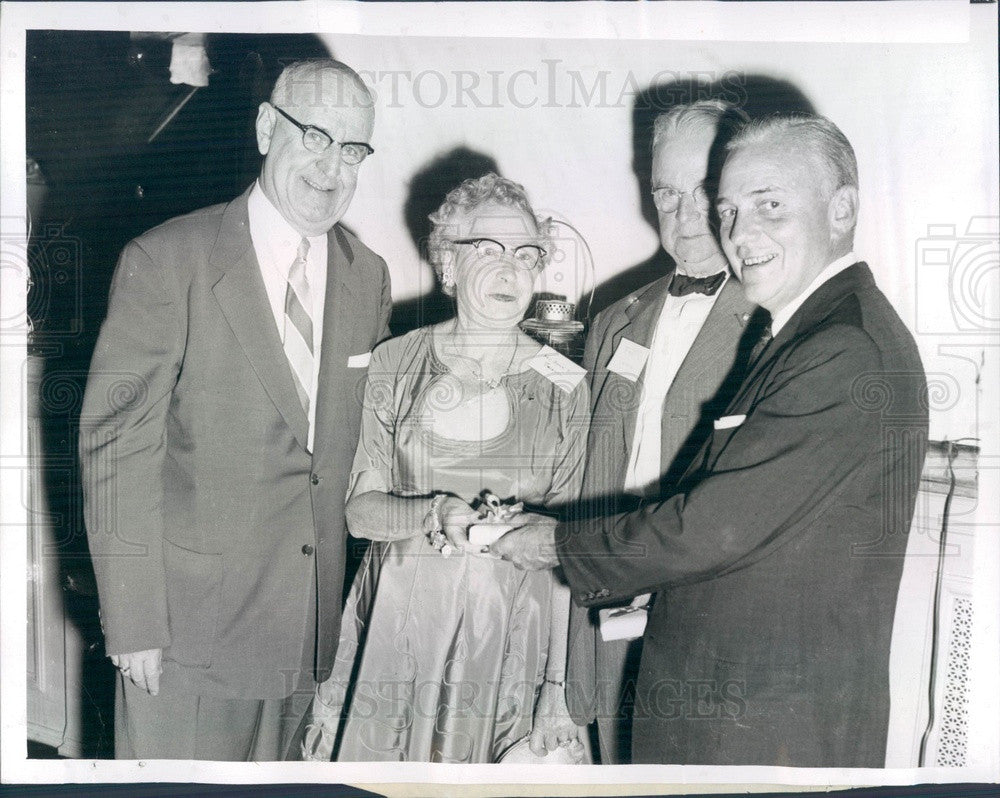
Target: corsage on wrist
434	528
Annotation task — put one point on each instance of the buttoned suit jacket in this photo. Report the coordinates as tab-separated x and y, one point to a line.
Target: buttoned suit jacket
208	520
779	558
702	387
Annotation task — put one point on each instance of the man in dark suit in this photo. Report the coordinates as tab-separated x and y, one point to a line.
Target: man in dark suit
662	363
217	432
778	559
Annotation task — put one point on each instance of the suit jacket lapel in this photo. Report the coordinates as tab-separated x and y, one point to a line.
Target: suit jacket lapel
341	288
710	359
241	296
725	322
642	316
811	313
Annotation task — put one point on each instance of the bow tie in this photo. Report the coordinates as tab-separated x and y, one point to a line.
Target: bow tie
682	285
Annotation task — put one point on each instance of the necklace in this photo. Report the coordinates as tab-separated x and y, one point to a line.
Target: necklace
474	371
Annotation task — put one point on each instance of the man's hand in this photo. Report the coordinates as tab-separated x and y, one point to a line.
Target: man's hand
142	667
531	545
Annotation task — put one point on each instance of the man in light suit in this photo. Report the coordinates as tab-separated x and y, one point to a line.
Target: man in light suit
663	361
218	428
778	557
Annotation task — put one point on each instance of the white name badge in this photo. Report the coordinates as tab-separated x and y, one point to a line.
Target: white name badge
629	359
558	369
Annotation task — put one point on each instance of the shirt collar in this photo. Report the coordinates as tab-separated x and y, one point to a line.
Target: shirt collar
780	319
279	239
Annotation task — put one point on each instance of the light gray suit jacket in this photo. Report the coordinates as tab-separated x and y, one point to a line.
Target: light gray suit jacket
208	520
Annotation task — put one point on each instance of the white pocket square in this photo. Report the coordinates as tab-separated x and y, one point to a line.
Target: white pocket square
359	361
728	422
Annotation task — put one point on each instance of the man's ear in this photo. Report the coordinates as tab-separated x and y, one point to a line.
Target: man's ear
843	211
266	119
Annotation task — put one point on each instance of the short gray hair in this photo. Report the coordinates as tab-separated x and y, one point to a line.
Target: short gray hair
712	114
815	133
467	197
301	76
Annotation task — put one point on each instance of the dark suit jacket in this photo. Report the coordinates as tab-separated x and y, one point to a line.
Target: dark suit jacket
207	518
703	386
779	557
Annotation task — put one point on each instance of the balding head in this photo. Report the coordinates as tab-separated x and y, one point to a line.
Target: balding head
320	81
312	190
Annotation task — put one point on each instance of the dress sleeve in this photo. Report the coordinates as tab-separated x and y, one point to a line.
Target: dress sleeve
573	420
372	469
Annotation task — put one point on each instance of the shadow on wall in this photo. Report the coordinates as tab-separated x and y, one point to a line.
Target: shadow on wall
428	189
757	95
94	101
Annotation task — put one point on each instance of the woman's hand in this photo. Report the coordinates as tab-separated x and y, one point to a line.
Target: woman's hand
447	523
553	727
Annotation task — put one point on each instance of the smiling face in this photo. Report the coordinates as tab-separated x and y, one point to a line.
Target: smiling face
780	225
681	162
491	290
313	190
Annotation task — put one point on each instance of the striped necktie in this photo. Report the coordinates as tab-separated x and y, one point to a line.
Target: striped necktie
298	326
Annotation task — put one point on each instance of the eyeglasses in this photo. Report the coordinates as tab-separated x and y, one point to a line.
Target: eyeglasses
668	199
527	257
317	140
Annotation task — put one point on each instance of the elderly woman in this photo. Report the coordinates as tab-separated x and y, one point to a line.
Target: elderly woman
446	651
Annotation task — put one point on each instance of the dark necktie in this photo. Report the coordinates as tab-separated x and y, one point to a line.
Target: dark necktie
683	285
760	346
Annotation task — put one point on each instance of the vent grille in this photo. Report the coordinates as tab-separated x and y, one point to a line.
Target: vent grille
955	712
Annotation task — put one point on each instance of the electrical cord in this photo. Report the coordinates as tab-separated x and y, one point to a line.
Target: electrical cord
935	620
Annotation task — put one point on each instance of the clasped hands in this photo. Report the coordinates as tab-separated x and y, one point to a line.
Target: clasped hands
530	545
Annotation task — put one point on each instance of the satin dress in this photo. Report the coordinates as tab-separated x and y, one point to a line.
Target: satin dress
440	659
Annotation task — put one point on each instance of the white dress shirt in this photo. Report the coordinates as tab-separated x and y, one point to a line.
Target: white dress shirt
680	322
780	319
276	245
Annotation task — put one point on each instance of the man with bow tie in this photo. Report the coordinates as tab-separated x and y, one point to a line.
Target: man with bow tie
662	360
218	428
777	556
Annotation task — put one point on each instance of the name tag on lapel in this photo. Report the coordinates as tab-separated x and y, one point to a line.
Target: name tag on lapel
629	359
359	361
728	422
558	369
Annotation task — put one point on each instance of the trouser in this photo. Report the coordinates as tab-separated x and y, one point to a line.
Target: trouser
178	725
181	726
618	669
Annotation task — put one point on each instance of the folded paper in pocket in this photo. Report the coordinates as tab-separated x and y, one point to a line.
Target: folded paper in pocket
359	361
622	623
625	623
728	422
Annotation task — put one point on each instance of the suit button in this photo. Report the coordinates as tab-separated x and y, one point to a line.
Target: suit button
314	479
603	592
308	549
